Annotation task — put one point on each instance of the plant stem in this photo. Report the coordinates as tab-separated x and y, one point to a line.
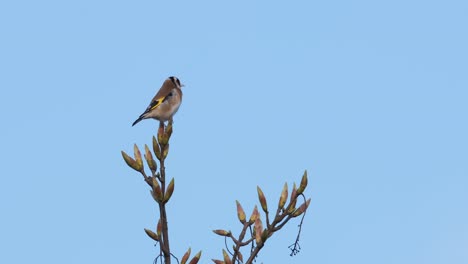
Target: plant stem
238	245
254	254
162	211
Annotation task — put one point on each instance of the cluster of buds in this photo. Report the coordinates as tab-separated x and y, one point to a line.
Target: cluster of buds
164	134
160	150
261	232
160	192
155	236
134	163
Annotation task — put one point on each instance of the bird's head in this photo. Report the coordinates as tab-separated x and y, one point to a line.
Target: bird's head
176	82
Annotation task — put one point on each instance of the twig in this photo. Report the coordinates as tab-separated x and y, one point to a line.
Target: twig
296	248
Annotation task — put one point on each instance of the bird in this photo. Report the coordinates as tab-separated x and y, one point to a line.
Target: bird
165	103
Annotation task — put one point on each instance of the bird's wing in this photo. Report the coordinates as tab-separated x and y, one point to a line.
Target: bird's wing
155	103
161	96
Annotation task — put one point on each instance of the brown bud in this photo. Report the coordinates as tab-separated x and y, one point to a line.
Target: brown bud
165	151
186	256
255	215
262	199
156	192
284	196
294	192
196	258
161	133
168	131
130	161
240	212
226	258
165	134
138	159
149	159
169	191
239	255
152	235
293	200
292	206
159	228
301	209
258	231
303	184
265	235
222	232
156	149
164	140
217	261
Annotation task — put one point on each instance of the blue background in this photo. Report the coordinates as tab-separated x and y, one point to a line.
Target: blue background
369	96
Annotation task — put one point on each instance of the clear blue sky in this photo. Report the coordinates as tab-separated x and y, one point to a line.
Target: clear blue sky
369	96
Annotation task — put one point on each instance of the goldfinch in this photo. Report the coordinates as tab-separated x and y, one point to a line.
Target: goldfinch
165	103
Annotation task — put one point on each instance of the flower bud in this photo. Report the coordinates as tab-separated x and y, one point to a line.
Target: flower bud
149	159
284	196
196	258
130	161
138	159
301	209
156	149
303	184
240	212
226	258
186	256
262	199
169	191
222	232
255	215
152	235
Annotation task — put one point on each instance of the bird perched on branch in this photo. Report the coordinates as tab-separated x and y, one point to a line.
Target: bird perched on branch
165	103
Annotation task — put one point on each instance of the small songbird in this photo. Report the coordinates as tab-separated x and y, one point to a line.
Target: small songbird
165	103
